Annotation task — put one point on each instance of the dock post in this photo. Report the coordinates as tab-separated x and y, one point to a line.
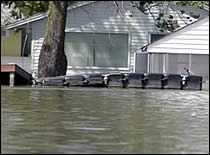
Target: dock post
11	79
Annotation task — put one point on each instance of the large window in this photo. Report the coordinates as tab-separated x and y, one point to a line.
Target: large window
96	49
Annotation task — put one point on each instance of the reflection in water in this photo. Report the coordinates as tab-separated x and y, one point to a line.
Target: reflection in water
93	120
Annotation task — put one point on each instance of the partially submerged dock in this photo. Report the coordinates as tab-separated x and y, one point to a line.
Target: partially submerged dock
12	74
126	80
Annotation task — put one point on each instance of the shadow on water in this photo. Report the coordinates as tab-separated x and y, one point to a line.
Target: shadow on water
90	120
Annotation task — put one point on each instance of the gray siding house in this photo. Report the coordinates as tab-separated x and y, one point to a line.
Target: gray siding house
100	35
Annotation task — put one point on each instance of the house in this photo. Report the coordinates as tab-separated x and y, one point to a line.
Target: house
101	36
185	48
13	51
15	46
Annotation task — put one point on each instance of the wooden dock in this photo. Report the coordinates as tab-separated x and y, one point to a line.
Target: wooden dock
12	74
127	80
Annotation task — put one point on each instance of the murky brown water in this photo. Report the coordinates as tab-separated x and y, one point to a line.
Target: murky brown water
90	120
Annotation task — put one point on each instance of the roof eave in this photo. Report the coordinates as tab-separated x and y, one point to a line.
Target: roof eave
42	15
25	21
159	40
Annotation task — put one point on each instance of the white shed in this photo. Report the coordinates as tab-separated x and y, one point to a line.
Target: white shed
185	48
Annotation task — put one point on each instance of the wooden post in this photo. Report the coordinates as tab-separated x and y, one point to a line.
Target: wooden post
11	79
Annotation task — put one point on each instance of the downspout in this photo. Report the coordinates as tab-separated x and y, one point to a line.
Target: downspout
24	45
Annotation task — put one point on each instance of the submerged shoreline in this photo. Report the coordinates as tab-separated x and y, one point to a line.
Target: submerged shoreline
105	120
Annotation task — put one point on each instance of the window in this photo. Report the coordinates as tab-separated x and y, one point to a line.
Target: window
96	49
156	36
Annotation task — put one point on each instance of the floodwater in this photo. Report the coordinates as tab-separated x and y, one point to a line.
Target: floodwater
101	120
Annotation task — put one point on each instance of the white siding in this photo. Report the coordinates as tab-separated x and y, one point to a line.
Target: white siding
186	48
101	16
193	39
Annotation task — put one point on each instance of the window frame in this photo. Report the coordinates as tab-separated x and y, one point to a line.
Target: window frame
104	68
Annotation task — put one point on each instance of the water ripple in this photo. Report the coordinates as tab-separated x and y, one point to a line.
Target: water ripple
91	120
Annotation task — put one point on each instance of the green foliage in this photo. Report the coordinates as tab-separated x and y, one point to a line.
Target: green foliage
198	4
165	21
27	8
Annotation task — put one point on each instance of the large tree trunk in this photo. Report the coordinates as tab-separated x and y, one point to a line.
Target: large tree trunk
52	59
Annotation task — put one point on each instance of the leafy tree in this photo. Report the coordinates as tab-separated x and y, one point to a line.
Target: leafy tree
27	8
198	4
6	15
52	59
164	21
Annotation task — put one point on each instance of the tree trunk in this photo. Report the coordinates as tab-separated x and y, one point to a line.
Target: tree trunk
52	59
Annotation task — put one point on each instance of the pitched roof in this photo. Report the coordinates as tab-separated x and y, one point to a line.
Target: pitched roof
40	16
171	34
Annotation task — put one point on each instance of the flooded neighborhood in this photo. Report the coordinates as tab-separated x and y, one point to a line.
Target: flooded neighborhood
99	77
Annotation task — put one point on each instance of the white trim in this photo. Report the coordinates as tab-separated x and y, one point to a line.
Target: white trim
97	68
149	37
167	63
129	50
95	31
177	53
27	20
164	63
44	15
